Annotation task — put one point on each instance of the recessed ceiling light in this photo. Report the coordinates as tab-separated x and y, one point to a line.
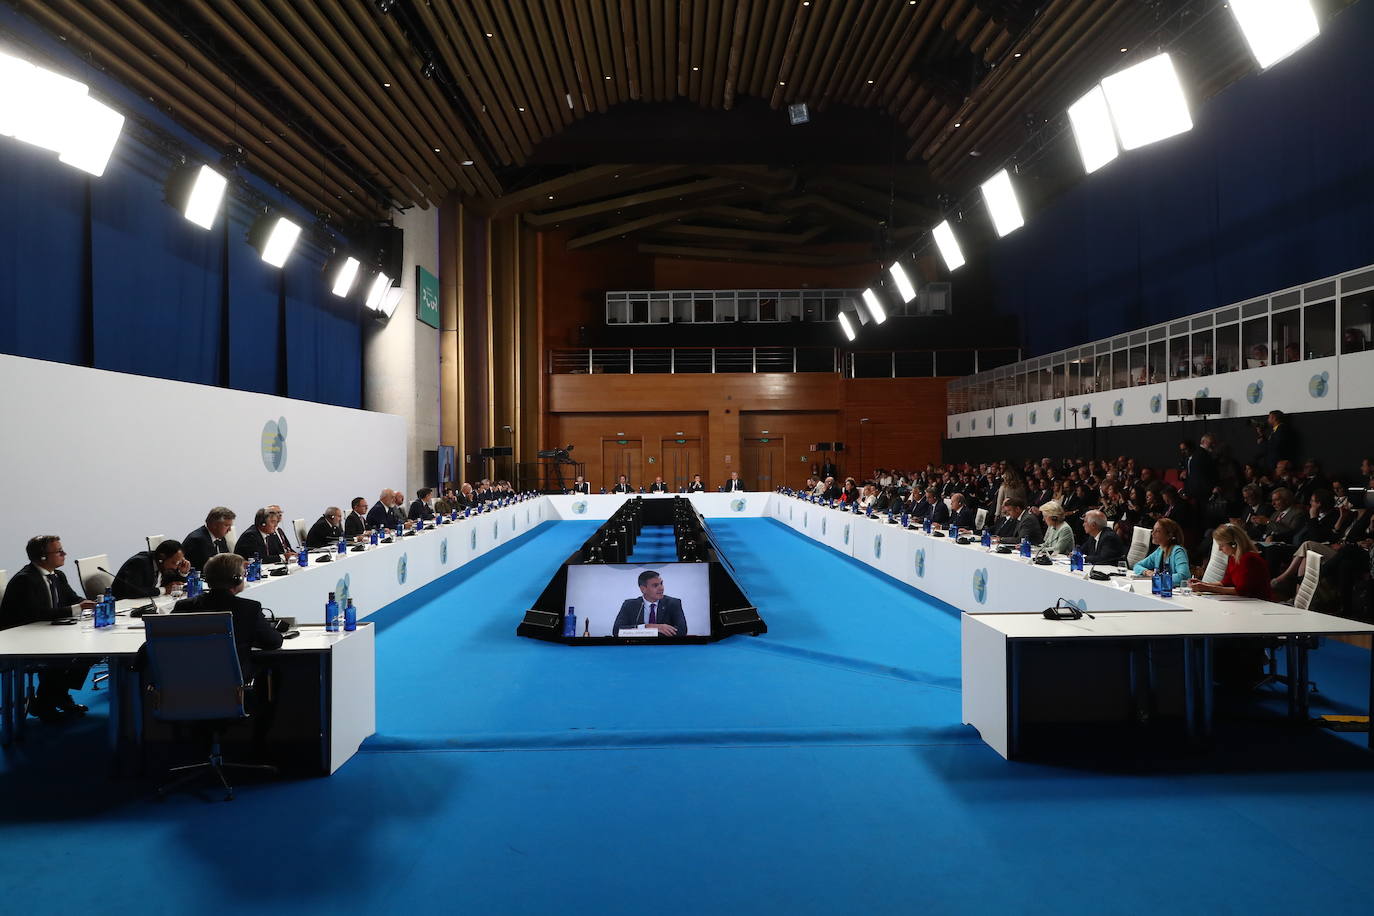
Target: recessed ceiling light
387	85
550	197
466	162
870	82
696	68
782	82
436	149
1123	50
608	77
519	109
1017	54
488	34
958	124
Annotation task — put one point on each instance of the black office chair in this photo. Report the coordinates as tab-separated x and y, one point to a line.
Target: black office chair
193	675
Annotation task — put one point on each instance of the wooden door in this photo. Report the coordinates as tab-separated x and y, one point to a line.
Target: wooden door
621	456
681	459
762	463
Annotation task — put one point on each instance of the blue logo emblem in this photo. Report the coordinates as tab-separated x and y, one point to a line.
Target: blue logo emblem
789	513
846	535
495	530
579	507
1156	402
274	444
958	426
1254	392
1318	385
527	516
805	520
1058	414
989	422
920	564
1202	392
737	505
401	569
341	592
1087	411
512	521
1081	603
443	552
1032	418
473	539
1009	418
1119	407
822	526
980	585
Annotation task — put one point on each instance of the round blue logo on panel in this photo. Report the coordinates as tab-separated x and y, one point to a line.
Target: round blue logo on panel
1058	414
920	564
1254	392
737	505
1118	407
1318	385
1009	419
443	552
579	506
495	530
877	546
1032	418
1156	402
958	426
980	585
401	569
1087	411
274	444
1202	392
846	535
989	422
822	526
473	538
805	520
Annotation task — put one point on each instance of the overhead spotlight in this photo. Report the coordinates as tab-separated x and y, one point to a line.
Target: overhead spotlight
94	130
390	301
385	6
197	191
1092	130
847	326
428	70
274	237
1275	29
1147	102
948	245
51	111
344	277
798	113
376	294
903	282
1000	198
875	308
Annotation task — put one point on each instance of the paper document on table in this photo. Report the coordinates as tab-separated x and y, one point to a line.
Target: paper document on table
638	631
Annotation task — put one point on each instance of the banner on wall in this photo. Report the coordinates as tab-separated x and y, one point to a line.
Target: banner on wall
427	297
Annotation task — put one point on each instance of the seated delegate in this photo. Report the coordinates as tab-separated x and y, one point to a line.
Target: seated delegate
224	581
1101	545
1169	552
209	539
149	573
261	540
1247	573
326	532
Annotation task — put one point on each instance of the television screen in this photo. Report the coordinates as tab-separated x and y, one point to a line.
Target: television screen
610	597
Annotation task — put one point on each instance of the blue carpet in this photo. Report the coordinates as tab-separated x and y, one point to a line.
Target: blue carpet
819	768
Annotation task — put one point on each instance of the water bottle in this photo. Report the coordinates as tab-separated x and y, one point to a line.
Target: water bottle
987	537
1026	548
343	546
302	558
255	568
350	617
1156	586
926	524
570	622
1166	583
419	524
906	517
453	516
1076	560
400	530
105	609
375	537
953	531
331	615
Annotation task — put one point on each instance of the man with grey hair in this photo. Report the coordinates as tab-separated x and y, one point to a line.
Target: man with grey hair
327	530
1101	546
210	539
379	516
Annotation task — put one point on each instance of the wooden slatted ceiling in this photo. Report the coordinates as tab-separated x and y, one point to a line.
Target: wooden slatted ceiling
287	78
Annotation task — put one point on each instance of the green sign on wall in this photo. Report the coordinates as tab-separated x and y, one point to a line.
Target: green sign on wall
427	297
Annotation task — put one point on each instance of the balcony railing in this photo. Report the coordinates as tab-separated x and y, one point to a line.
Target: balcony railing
688	360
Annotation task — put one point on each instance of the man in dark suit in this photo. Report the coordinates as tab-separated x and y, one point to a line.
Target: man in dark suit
355	526
1101	546
658	486
37	592
828	469
939	511
922	507
622	485
281	535
961	514
1200	470
1018	523
421	508
652	609
1282	444
149	573
224	581
379	516
696	486
326	531
581	486
734	484
261	540
209	539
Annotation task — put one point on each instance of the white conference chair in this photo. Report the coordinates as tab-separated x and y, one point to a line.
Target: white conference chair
93	581
1311	575
4	581
980	519
1140	546
1216	565
231	538
299	525
154	540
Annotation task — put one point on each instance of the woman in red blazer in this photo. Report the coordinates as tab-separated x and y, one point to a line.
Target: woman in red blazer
1247	573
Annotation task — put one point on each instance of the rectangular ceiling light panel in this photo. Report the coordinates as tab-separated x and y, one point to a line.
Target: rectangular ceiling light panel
1275	29
903	282
949	246
1092	130
1000	198
1147	102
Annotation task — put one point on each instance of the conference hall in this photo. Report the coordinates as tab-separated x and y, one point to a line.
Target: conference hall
686	456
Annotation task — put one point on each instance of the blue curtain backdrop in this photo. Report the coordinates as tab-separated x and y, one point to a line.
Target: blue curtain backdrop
43	263
1273	187
102	272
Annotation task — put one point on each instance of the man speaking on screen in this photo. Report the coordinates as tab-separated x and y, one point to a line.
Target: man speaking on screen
653	609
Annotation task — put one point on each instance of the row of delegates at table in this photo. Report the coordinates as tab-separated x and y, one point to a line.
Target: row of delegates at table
40	591
623	485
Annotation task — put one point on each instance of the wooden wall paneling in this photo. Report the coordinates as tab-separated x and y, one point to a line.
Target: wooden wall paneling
590	432
450	302
906	423
797	429
474	338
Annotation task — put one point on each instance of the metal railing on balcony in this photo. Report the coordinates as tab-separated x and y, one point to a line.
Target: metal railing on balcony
925	363
687	360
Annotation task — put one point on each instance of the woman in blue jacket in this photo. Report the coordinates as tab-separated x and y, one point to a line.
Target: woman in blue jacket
1169	552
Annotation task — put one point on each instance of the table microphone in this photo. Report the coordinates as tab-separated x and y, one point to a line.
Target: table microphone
133	612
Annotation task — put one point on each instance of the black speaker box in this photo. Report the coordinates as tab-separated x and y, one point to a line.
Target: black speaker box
386	246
